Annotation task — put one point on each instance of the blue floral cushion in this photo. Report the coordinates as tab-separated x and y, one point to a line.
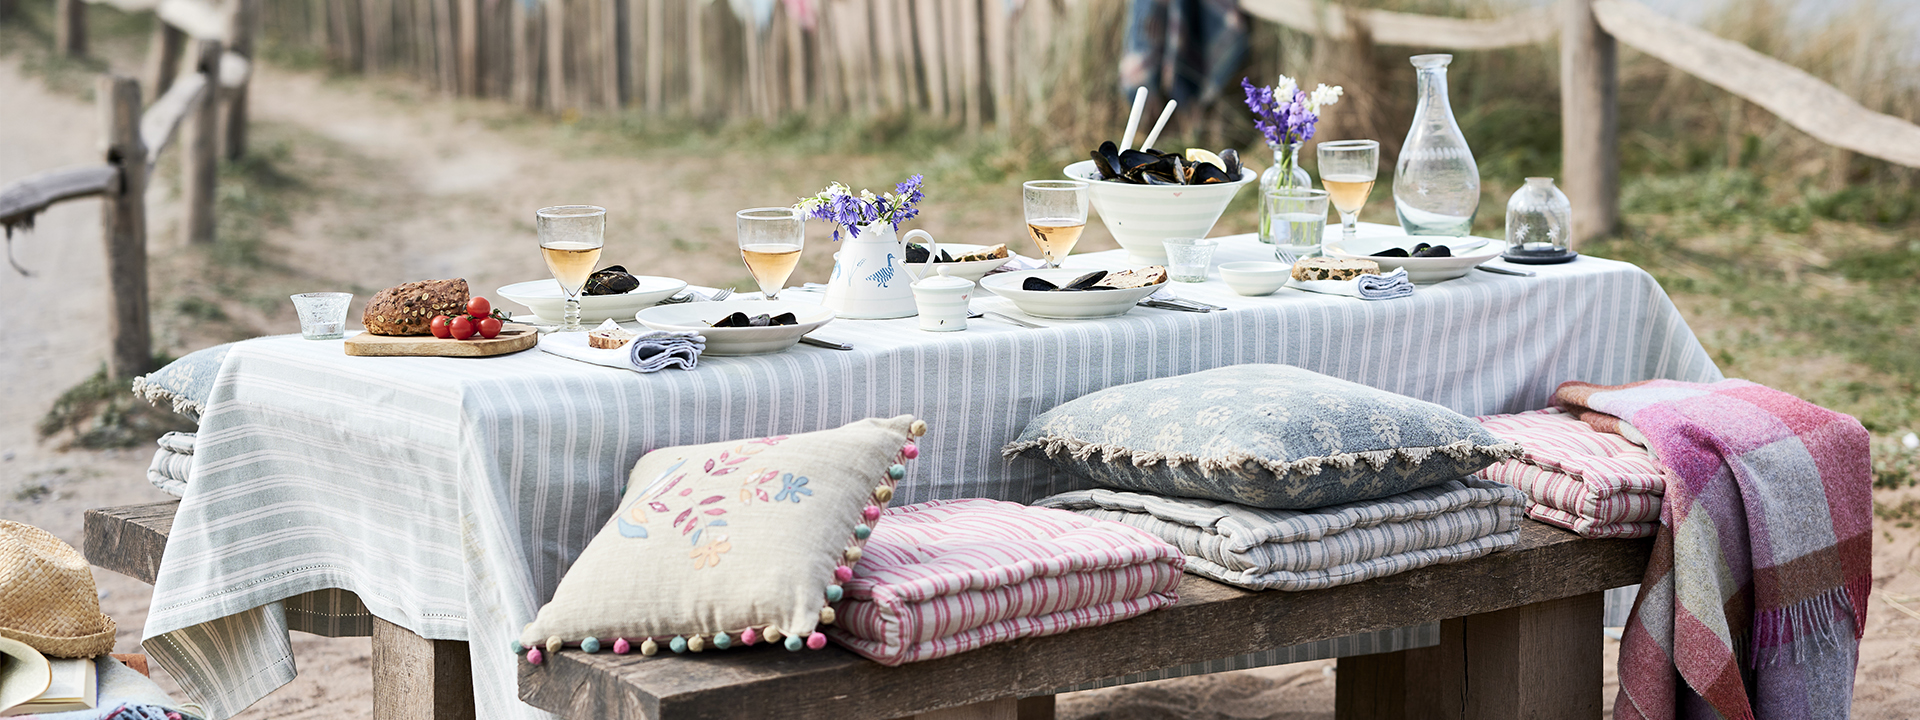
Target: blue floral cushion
184	383
1268	436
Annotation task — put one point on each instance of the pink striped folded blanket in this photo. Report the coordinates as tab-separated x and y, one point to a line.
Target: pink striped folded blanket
947	576
1597	484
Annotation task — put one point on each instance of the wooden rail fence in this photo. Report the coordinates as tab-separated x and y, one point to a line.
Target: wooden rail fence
187	104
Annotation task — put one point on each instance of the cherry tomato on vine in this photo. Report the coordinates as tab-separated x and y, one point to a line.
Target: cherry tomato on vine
440	327
462	327
478	306
490	327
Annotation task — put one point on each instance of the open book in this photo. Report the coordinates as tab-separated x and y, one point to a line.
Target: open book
74	687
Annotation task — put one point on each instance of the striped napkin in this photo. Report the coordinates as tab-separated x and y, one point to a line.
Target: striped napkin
649	352
1366	287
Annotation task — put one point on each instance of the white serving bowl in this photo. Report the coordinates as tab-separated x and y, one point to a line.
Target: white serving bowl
1419	270
544	299
1254	278
972	270
1142	216
1065	305
697	316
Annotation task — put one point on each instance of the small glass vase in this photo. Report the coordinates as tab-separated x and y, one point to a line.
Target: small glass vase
1436	184
1285	167
1539	221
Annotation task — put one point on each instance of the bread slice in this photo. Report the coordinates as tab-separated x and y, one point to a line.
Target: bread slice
408	309
988	253
1149	275
1326	268
610	336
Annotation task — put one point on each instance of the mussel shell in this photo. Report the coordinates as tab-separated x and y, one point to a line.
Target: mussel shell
1157	180
611	280
1086	281
1433	251
738	319
1107	159
1232	158
1208	174
1035	284
786	318
917	253
1134	164
1391	252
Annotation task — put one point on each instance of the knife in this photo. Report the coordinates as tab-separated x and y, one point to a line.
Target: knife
830	345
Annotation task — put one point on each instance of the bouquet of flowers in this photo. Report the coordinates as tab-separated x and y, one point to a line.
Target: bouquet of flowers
848	211
1286	114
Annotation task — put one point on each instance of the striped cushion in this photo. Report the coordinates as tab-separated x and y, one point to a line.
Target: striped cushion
948	576
1597	484
1315	549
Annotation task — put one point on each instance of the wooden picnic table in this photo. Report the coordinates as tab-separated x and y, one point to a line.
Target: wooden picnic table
1520	638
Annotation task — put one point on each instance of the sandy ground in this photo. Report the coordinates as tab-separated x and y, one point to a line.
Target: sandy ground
399	188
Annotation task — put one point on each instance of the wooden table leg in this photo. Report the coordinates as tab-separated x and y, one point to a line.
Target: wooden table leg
419	679
1534	661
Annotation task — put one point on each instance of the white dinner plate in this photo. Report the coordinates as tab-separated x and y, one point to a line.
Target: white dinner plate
1067	305
544	299
971	270
699	316
1419	270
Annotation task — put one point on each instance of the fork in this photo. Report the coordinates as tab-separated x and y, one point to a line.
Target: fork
688	296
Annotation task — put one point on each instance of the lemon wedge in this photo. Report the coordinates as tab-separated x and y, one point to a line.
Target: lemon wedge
1202	155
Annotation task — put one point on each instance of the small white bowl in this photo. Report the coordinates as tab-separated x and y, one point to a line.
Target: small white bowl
1254	278
1069	305
972	270
544	299
1419	270
698	317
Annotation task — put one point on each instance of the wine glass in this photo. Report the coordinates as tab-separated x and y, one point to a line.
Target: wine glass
1056	215
770	241
570	238
1347	170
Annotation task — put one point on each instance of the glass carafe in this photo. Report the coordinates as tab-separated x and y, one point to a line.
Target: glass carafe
1436	185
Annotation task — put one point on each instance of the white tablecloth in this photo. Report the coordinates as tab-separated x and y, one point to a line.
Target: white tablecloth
451	494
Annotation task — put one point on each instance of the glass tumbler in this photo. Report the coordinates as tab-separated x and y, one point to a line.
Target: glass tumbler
1188	258
1299	222
323	315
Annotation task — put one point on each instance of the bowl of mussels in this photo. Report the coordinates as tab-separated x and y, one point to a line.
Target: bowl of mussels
1073	294
1428	259
740	327
609	293
1145	197
971	262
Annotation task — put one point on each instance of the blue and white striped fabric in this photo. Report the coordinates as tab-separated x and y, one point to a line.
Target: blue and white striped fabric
1299	550
451	494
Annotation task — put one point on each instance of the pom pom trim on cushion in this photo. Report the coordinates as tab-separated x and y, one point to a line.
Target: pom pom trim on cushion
842	572
1244	463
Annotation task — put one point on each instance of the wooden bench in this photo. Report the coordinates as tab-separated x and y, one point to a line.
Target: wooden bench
413	678
1519	638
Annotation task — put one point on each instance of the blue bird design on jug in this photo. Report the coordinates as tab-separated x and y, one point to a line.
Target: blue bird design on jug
883	274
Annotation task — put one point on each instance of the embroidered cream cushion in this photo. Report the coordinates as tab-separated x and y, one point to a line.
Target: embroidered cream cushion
1268	436
729	543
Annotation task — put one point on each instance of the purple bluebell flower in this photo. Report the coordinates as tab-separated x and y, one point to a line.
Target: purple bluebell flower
848	211
1288	122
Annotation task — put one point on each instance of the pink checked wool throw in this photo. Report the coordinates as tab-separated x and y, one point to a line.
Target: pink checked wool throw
1597	484
1755	598
948	576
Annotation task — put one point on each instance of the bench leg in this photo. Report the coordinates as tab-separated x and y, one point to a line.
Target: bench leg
419	679
1535	661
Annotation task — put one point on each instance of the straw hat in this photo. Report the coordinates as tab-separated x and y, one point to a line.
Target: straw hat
47	598
24	674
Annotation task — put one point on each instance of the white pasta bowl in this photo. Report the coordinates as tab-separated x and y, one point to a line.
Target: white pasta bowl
699	317
544	299
1142	216
1068	305
972	270
1419	270
1254	278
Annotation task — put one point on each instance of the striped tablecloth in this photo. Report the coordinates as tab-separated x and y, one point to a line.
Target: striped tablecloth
450	494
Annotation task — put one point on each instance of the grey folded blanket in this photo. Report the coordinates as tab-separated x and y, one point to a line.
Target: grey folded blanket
171	462
1324	547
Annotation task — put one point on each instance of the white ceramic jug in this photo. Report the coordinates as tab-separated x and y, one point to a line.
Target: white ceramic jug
871	278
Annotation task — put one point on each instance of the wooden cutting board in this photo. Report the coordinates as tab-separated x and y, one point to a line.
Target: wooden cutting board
513	338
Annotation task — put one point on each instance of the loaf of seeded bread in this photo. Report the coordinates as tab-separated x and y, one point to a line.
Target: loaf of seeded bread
1149	275
408	309
1326	268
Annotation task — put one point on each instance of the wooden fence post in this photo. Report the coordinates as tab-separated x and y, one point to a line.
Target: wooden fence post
70	27
1589	88
123	220
8	8
199	147
240	26
163	57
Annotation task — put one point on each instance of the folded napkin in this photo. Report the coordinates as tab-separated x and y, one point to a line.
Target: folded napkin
948	576
1366	287
1597	484
1316	549
170	463
649	352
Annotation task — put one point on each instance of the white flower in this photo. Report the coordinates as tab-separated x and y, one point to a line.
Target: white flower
1911	440
1284	89
1323	96
866	195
